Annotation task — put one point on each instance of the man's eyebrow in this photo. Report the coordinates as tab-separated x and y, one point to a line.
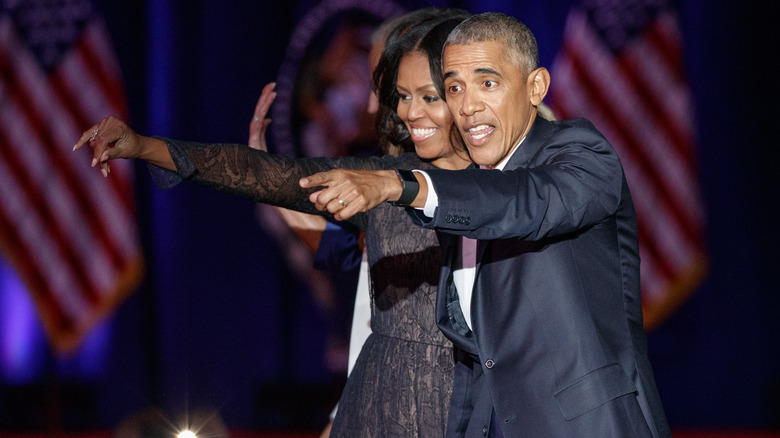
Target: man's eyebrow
449	74
487	71
478	70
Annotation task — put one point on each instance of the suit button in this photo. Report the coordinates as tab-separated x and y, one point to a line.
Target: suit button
484	430
448	218
468	220
489	363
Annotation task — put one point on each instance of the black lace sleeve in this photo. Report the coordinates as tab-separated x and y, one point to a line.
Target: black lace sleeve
253	174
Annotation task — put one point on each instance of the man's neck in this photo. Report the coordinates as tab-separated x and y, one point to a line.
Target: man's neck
501	164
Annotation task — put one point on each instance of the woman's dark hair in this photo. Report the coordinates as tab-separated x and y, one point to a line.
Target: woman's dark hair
427	37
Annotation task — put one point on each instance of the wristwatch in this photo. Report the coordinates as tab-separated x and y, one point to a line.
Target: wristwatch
409	185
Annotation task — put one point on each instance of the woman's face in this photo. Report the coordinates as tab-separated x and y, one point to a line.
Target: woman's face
425	113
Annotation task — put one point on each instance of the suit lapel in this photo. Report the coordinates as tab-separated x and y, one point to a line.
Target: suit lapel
537	136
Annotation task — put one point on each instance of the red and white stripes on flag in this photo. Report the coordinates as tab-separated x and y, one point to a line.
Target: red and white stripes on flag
71	234
621	67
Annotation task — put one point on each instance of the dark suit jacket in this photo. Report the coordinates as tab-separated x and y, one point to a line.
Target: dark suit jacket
557	342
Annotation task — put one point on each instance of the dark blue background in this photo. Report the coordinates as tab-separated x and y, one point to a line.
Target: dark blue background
220	321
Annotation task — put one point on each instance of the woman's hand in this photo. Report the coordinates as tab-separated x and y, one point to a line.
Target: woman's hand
111	138
259	124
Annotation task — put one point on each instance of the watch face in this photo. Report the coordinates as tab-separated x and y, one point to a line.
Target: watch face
406	175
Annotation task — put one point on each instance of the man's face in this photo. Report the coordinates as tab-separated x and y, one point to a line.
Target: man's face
489	97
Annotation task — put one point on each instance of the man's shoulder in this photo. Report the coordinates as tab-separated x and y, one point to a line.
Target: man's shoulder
575	130
577	124
553	138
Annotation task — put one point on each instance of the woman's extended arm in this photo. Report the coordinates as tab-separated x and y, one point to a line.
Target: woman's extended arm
231	168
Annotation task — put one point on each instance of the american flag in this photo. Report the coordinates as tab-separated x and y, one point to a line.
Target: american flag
70	234
621	67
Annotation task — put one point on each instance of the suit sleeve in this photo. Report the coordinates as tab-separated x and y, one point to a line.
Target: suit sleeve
572	182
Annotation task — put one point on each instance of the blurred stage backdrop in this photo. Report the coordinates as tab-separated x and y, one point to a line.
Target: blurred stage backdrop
117	297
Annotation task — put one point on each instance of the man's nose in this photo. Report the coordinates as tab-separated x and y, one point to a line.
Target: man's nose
471	104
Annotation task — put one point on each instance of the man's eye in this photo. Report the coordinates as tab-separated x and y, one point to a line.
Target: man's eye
490	84
453	88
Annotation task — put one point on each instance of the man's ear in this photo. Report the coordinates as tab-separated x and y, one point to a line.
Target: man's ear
538	85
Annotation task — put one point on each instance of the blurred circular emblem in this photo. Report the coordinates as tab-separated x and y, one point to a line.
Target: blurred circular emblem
324	80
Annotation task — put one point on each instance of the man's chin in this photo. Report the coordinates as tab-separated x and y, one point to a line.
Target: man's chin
481	154
481	158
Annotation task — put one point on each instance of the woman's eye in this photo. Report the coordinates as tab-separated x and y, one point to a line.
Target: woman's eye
430	98
453	88
402	96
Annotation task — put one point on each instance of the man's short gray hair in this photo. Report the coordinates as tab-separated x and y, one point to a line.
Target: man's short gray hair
493	26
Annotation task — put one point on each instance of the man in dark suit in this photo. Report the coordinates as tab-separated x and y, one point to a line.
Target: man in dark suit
546	311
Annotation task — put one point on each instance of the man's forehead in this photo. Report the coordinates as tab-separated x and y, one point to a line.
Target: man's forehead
473	55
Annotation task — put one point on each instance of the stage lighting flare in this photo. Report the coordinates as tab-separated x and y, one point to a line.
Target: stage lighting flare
186	434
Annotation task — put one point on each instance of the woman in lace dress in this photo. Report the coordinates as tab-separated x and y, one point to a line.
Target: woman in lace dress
402	380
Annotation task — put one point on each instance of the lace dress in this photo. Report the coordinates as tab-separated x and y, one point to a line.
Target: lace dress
401	383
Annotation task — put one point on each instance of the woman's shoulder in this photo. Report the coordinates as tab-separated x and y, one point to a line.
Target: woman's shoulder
407	160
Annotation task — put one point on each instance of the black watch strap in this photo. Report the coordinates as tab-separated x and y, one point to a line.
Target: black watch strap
409	185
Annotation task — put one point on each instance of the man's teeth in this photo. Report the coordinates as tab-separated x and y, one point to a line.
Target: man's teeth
423	132
474	131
